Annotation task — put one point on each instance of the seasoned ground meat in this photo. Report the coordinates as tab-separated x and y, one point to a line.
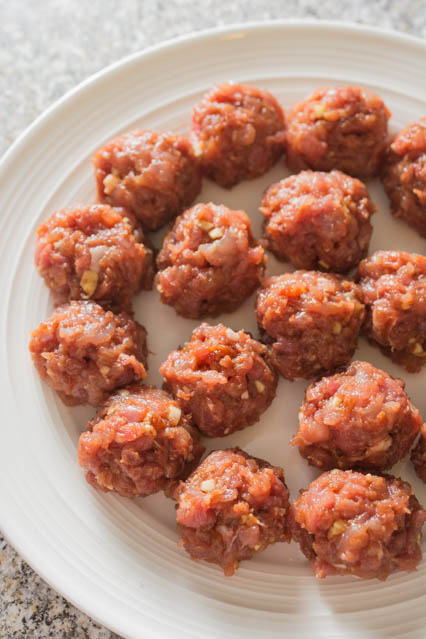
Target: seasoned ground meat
153	175
360	418
404	177
338	128
318	220
237	132
224	380
348	523
95	252
311	320
393	288
138	443
418	455
84	352
231	507
210	262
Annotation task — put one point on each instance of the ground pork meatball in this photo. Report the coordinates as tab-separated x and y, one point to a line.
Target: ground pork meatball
318	220
311	320
393	288
404	176
338	128
153	175
237	132
85	352
360	418
93	252
348	523
231	507
223	379
418	455
138	443
210	262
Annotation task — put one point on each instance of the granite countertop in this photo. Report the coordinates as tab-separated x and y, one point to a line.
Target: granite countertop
73	39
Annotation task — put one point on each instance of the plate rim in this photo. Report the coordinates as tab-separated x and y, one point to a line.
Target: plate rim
75	94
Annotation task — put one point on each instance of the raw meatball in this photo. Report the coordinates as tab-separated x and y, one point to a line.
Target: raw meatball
318	220
237	132
311	320
393	288
153	175
231	507
93	252
360	418
138	443
210	262
223	379
418	455
404	177
84	352
352	524
338	128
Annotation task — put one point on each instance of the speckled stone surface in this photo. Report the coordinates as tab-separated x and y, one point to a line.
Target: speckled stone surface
48	47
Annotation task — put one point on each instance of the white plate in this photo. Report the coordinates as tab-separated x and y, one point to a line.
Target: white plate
117	559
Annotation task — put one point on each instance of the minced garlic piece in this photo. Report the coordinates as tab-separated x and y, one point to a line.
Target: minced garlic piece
337	528
319	110
207	485
198	149
418	350
260	386
110	182
205	225
323	264
105	370
174	413
245	395
216	233
249	520
89	282
337	328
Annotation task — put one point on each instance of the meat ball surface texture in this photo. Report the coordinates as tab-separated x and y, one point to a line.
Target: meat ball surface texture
231	507
210	262
237	132
418	455
341	128
318	220
311	321
94	252
138	443
152	175
360	418
348	523
404	176
393	288
85	352
224	380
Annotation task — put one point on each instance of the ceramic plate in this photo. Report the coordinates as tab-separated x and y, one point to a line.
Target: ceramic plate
117	559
